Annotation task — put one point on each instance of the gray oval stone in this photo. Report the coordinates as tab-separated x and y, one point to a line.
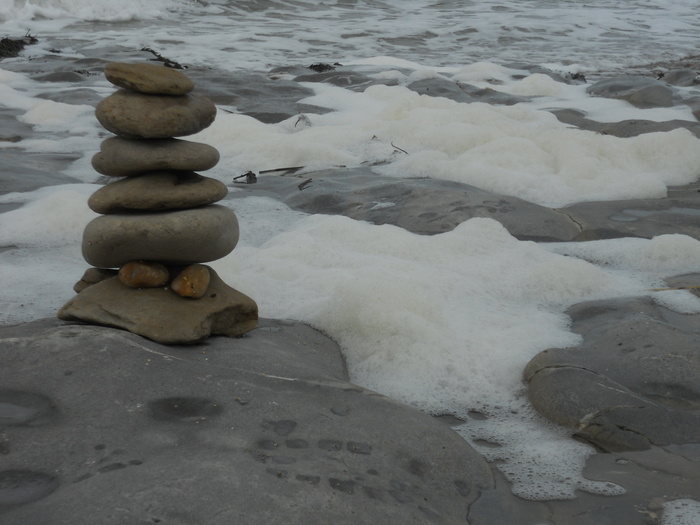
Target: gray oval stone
135	115
176	237
158	191
122	158
148	78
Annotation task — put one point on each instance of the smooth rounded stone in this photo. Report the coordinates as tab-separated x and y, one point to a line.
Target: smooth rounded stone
642	92
176	237
268	424
192	282
144	274
136	115
632	384
122	158
160	315
157	191
93	276
148	78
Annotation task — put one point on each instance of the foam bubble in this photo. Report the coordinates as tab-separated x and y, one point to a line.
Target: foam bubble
681	512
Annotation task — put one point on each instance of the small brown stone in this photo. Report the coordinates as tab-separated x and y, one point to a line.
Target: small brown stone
148	78
144	274
93	276
193	281
133	115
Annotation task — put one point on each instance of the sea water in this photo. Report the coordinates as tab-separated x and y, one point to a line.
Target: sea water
447	322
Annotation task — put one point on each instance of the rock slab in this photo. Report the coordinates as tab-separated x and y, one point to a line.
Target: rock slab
260	429
163	316
635	381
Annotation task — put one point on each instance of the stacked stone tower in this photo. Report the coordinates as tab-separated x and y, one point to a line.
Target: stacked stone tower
159	221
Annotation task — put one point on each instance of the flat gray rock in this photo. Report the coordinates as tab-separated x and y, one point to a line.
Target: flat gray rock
102	426
157	191
175	237
162	315
425	206
633	383
430	206
122	158
642	92
133	115
678	212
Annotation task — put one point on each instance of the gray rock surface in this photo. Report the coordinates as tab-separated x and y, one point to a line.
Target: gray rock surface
122	158
678	212
156	191
148	78
173	237
102	426
429	206
161	315
642	92
136	115
425	206
633	383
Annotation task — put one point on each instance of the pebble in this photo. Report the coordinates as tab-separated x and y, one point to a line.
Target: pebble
157	191
144	274
135	115
123	158
193	281
148	78
179	237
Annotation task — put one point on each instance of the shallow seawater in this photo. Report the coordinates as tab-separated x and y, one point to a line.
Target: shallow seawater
444	322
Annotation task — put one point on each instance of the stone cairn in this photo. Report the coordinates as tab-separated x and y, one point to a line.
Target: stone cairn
159	219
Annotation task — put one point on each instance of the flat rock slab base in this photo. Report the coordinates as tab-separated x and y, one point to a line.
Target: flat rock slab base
163	316
103	426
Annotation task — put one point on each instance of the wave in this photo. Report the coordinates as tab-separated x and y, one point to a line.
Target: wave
90	10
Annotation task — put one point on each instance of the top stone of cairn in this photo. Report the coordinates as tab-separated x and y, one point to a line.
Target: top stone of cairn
148	78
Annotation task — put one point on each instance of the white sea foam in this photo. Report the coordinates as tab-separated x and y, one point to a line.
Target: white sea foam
681	512
513	150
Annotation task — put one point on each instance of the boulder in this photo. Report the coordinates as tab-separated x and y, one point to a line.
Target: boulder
174	237
148	78
135	115
633	383
122	158
157	191
161	315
